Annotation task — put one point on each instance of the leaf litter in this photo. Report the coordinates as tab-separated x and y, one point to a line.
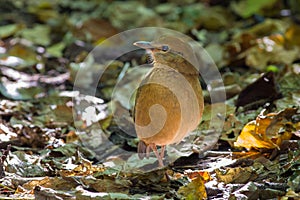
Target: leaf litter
47	152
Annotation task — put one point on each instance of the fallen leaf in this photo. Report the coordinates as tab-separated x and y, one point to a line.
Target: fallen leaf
194	190
249	7
235	175
263	90
267	131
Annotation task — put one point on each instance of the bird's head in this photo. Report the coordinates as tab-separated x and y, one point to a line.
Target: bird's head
171	51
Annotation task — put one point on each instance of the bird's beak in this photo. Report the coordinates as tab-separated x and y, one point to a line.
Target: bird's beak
143	45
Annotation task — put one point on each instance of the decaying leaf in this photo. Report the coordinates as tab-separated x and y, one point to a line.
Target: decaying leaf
41	193
194	190
269	50
55	183
261	91
107	184
235	175
267	131
292	35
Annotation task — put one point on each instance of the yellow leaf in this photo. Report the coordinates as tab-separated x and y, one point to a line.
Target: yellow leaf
250	138
267	131
194	190
292	34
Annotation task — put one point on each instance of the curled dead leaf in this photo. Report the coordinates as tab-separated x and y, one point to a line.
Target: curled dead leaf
268	131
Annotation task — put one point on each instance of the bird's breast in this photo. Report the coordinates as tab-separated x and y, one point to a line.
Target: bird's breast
168	106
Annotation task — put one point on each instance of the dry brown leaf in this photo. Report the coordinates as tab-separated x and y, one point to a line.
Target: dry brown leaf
107	184
48	182
235	175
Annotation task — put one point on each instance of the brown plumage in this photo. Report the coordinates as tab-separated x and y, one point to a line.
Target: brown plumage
169	101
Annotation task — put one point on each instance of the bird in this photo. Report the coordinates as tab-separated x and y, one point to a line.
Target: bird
169	101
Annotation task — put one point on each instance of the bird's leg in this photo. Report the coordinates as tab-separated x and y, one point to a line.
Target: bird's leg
159	158
148	149
162	151
142	149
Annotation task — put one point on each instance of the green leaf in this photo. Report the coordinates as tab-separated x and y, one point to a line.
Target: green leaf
56	49
249	7
8	30
39	34
272	68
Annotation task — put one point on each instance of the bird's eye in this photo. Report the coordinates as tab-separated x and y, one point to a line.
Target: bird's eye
165	48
